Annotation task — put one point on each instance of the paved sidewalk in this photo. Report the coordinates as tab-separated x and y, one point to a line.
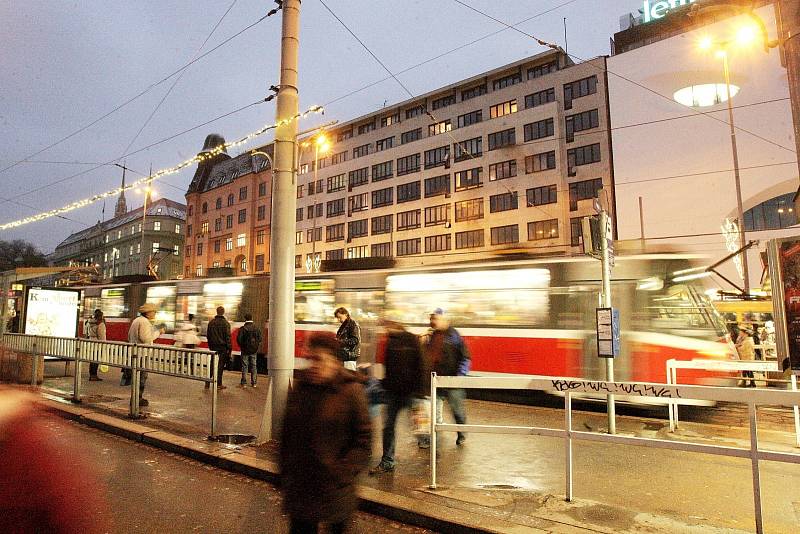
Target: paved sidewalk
498	482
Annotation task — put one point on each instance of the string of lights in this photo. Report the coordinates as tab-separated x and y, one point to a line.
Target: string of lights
145	182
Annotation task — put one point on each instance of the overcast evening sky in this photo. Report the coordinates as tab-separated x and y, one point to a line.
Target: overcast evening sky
64	64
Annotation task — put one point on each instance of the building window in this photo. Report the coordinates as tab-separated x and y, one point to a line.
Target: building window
416	111
187	252
156	246
584	191
313	235
215	264
542	230
506	81
216	246
259	262
219	204
408	164
539	196
310	211
583	155
340	157
240	240
467	119
502	139
356	203
366	127
119	234
472	92
311	188
390	119
298	261
227	263
580	122
334	232
502	170
336	254
470	148
503	108
300	190
344	134
337	183
437	185
540	162
539	129
381	250
231	199
382	197
382	171
199	249
191	210
203	227
199	270
229	221
408	220
304	168
773	214
505	235
469	239
469	178
443	102
262	189
578	89
384	144
503	202
411	135
242	193
408	192
437	243
357	252
177	229
260	237
381	225
469	210
157	226
242	216
436	157
298	238
298	214
436	215
359	228
358	177
334	208
261	213
575	231
439	128
541	70
407	247
176	250
229	243
361	151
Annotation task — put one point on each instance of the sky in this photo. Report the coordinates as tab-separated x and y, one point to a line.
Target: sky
65	64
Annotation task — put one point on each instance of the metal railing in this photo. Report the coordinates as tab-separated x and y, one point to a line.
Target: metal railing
669	393
191	364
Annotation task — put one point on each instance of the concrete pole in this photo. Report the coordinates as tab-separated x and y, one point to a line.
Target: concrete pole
788	35
284	202
606	303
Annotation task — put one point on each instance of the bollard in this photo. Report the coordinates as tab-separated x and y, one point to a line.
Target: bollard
433	431
135	383
76	382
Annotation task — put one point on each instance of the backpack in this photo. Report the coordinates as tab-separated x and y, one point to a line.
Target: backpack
250	342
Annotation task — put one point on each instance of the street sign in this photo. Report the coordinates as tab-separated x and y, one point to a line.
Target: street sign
607	332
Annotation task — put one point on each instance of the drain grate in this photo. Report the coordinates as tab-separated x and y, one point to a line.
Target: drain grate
232	439
499	486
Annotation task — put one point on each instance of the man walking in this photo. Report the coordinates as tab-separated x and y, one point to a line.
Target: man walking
219	340
449	357
249	340
405	381
326	441
349	336
142	332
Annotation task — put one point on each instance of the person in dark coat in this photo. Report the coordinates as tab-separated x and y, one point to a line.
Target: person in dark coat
249	339
407	377
326	441
349	336
219	340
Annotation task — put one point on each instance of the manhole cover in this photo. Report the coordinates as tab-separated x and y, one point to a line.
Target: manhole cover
232	439
499	486
100	398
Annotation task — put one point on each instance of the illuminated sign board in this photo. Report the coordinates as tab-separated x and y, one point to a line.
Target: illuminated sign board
52	312
655	10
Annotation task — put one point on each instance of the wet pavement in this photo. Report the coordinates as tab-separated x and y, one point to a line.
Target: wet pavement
155	491
521	478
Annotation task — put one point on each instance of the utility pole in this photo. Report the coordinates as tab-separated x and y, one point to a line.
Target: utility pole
605	259
282	246
641	222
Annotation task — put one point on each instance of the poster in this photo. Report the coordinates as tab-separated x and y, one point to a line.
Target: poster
784	258
52	312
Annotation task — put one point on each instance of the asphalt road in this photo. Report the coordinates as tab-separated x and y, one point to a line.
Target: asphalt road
154	491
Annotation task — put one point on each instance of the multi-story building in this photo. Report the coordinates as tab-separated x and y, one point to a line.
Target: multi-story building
508	160
126	244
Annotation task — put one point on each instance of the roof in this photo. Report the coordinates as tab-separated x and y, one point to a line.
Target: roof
228	170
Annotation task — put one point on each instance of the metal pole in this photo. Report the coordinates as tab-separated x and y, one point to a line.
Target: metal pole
739	210
284	203
214	366
76	383
755	468
568	443
135	383
606	262
641	222
34	365
433	431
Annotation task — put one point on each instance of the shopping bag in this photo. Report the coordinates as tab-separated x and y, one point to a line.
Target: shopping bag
421	417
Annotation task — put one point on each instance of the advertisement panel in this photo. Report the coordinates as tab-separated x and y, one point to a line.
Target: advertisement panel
52	311
784	269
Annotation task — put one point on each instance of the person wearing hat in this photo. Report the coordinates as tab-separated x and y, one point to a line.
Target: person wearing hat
326	441
746	348
142	332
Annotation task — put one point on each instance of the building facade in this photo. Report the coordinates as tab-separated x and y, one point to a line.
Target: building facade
125	244
508	160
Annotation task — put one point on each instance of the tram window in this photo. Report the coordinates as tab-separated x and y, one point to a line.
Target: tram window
163	298
314	301
678	308
204	306
112	301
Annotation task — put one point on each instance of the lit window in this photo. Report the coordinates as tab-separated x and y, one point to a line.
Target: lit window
229	243
157	226
705	95
177	229
156	246
240	239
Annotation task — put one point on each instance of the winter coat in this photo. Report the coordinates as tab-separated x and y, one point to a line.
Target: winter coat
142	331
249	338
407	371
746	348
327	442
455	359
349	335
219	335
96	330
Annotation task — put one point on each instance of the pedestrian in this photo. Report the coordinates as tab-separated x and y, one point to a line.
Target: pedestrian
142	332
404	383
448	354
187	335
326	441
249	340
349	336
95	329
219	340
746	348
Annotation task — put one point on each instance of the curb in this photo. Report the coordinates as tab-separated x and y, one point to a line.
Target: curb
398	508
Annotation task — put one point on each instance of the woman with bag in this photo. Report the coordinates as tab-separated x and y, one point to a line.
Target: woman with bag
96	329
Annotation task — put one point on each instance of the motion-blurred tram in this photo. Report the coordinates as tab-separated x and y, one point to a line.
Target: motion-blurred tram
529	317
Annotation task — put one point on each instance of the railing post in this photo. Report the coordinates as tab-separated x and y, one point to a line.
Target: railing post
796	412
76	383
214	357
135	382
674	404
34	364
568	443
433	430
755	468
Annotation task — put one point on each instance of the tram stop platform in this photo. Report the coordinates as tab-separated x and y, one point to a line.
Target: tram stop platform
493	483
